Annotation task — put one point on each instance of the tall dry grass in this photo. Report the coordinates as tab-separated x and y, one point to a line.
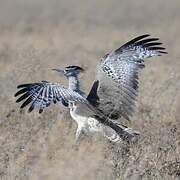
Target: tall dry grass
36	36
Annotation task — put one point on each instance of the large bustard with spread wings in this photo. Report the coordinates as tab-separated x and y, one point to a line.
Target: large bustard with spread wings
111	97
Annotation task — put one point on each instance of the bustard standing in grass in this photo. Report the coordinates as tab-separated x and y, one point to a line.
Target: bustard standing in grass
111	97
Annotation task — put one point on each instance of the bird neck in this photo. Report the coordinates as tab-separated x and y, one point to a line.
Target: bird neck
74	83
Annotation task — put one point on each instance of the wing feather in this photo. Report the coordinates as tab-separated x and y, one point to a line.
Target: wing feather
118	76
42	94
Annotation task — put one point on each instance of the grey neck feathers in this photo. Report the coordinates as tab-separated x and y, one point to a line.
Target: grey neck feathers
74	83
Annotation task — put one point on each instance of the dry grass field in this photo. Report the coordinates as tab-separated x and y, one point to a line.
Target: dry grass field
38	35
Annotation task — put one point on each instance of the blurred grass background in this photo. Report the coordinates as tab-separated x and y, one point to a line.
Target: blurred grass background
38	35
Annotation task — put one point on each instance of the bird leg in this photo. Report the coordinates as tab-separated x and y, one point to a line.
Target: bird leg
79	133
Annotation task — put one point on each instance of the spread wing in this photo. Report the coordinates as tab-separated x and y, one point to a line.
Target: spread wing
42	94
117	84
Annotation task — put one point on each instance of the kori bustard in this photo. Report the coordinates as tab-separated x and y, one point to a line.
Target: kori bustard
111	97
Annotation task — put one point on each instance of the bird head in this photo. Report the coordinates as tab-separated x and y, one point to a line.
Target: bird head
70	71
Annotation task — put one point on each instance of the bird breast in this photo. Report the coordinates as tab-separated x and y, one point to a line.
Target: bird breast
78	118
90	124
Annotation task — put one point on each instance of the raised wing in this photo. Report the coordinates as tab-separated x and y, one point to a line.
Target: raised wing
42	94
118	76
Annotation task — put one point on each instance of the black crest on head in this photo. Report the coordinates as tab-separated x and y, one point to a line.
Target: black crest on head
74	68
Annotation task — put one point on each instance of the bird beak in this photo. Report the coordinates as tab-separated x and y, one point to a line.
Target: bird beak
60	71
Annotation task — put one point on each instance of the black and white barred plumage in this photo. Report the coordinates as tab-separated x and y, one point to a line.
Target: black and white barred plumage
117	79
111	97
42	94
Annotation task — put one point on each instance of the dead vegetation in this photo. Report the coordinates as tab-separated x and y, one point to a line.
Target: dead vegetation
37	36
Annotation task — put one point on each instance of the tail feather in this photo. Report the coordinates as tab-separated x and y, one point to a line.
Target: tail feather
124	132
